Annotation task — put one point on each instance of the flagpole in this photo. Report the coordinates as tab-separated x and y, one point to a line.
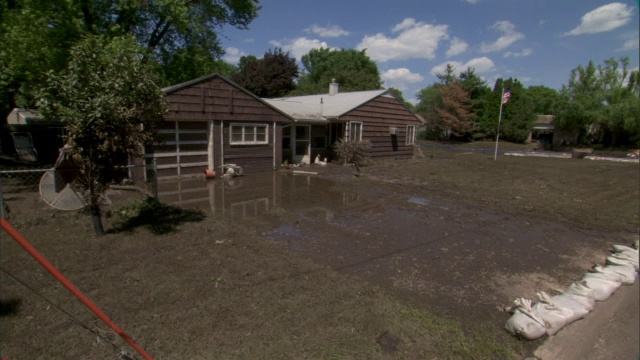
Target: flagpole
495	155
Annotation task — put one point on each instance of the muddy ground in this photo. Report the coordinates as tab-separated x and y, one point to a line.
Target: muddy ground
404	259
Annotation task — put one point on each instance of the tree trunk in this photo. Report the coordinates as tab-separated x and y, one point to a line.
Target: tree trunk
96	217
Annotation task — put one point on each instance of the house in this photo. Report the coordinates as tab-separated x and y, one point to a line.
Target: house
214	122
542	131
32	137
320	120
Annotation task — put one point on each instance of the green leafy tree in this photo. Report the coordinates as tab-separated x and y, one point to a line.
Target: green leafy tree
398	95
601	103
272	76
108	99
191	63
350	68
585	102
518	114
546	101
36	35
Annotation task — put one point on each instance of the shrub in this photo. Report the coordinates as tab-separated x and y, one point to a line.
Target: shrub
353	152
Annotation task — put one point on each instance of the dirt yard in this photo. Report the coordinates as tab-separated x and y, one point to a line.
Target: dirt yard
406	259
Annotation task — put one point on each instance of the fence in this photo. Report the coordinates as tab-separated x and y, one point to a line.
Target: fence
16	179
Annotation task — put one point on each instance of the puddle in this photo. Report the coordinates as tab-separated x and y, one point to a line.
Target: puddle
419	201
254	195
283	232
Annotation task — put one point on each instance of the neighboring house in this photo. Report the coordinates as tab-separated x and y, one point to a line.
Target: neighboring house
213	122
31	137
320	120
542	131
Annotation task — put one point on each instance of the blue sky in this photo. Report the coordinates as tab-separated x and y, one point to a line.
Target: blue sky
536	41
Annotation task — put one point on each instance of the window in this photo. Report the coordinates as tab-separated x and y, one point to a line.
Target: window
355	131
411	134
249	134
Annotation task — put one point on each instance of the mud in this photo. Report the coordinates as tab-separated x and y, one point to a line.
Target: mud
462	261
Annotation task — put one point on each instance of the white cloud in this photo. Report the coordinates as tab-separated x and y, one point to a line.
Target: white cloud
604	18
509	36
631	43
232	55
400	78
456	47
414	40
523	53
329	31
299	46
480	65
471	1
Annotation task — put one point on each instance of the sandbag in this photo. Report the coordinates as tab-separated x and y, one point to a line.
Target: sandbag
623	248
581	294
626	274
602	288
572	305
554	317
605	275
524	322
617	259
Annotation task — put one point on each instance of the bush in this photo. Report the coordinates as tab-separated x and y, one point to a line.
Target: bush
353	152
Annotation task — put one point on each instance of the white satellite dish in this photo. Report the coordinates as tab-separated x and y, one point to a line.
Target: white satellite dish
66	198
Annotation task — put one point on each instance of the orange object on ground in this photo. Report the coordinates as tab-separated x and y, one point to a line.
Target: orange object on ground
64	281
209	174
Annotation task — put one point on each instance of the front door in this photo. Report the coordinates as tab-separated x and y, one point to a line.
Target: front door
301	144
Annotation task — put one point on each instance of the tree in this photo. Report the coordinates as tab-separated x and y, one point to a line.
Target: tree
448	105
36	35
398	95
602	102
108	99
272	76
455	110
351	68
546	101
518	114
191	63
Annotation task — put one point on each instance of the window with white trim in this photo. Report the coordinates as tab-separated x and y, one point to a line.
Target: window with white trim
355	131
249	134
411	134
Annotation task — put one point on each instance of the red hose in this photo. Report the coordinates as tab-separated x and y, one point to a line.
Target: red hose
64	281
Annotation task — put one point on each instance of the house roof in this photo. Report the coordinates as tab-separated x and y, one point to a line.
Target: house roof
545	119
173	88
321	108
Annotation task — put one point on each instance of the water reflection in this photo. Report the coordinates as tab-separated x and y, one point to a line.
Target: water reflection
241	198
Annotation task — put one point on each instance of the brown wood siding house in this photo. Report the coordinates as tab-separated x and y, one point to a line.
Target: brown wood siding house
213	122
321	120
388	124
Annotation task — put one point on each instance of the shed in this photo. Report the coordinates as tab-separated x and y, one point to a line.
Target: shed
214	122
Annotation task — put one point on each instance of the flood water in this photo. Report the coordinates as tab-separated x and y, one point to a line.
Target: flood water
447	254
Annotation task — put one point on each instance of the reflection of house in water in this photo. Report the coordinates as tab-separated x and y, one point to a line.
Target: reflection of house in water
246	197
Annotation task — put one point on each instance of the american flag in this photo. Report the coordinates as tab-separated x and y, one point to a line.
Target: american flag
506	97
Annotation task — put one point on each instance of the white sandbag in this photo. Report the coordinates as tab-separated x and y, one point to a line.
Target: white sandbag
617	259
524	323
623	248
554	318
627	275
602	288
571	305
599	273
580	289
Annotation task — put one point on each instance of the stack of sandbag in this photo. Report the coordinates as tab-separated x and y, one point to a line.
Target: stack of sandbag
552	313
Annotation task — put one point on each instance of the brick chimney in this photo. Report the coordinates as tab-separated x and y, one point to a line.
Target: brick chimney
333	87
